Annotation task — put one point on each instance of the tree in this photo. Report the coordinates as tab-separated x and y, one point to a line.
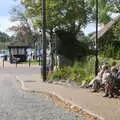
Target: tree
70	15
70	47
103	10
116	31
23	30
106	9
114	5
4	40
4	37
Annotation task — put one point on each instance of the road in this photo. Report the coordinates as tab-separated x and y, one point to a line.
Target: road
16	104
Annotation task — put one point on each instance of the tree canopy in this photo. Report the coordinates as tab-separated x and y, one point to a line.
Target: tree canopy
23	31
70	15
4	37
105	9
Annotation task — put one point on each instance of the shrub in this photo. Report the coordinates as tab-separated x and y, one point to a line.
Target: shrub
87	79
77	72
60	74
80	72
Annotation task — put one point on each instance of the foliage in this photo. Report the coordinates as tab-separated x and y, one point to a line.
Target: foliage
114	5
4	37
108	51
81	73
77	73
4	40
63	73
33	62
60	14
4	45
22	31
110	61
110	42
103	10
68	46
116	31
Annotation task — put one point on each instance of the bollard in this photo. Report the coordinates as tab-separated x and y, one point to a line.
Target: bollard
29	63
3	62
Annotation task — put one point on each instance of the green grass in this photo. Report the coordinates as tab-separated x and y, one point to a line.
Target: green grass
80	72
33	62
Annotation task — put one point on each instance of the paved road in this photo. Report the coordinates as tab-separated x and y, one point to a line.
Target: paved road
16	104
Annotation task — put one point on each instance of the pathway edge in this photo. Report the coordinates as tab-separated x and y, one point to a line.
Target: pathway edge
53	94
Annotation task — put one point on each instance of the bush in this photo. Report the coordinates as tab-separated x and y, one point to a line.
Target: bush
87	79
80	72
77	73
111	51
60	74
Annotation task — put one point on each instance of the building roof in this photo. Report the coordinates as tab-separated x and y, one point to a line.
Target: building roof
106	28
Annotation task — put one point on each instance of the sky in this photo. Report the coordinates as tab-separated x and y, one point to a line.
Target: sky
5	7
5	23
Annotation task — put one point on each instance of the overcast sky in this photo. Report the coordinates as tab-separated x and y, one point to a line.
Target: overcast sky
6	5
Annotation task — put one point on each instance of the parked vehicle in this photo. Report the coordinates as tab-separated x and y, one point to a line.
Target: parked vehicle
18	53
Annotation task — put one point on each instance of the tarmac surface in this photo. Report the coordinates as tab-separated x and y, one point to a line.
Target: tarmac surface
16	104
92	103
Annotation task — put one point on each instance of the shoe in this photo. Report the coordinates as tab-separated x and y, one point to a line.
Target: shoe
111	96
94	91
105	95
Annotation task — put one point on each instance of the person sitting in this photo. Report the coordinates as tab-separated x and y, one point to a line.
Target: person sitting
109	83
96	82
106	76
117	83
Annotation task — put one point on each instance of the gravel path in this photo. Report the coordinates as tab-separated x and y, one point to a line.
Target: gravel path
16	104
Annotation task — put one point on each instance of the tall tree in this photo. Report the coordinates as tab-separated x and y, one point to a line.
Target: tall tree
70	15
106	9
103	10
114	5
4	37
23	30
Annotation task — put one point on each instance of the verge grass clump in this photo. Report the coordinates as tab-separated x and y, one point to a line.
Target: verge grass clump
77	72
80	72
62	73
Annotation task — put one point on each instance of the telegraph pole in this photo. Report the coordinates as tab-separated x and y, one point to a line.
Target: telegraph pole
96	41
44	38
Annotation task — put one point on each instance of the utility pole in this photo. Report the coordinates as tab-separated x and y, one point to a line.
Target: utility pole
44	38
96	50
